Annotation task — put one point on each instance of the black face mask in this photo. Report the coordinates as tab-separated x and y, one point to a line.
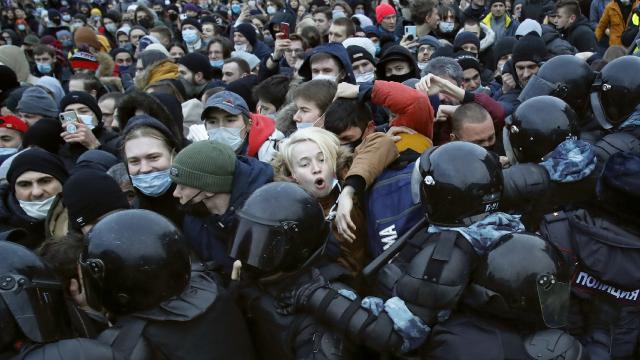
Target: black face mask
198	209
400	78
354	144
173	17
147	23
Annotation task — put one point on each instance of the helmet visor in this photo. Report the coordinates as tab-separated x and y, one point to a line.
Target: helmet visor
537	86
38	307
554	300
258	245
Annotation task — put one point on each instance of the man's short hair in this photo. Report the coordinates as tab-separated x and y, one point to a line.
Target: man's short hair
320	92
272	90
311	35
162	30
347	23
323	10
227	45
44	49
572	6
445	66
114	95
242	64
324	56
296	37
343	114
89	81
469	113
420	9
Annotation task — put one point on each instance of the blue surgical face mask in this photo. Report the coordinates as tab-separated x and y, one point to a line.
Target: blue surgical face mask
152	184
87	120
189	36
271	10
377	46
235	8
8	151
229	136
44	68
217	63
37	209
124	69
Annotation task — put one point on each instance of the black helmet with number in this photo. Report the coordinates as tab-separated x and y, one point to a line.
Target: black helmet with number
566	77
616	91
31	298
460	182
536	127
280	228
133	260
525	279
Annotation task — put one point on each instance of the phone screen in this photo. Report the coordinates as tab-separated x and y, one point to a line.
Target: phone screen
284	28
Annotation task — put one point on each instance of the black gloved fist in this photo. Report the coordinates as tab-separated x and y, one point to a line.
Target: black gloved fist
289	302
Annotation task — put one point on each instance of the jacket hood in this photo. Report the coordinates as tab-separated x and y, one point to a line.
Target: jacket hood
250	175
336	50
393	53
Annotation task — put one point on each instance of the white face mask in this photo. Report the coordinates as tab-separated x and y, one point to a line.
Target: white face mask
422	66
8	151
87	120
366	77
239	47
229	136
37	209
325	77
446	26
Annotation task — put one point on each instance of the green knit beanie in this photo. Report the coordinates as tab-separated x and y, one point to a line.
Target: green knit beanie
205	165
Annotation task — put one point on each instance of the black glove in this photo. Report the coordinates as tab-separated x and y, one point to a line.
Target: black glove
289	302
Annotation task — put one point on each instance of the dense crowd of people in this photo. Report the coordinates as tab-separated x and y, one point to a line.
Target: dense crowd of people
320	179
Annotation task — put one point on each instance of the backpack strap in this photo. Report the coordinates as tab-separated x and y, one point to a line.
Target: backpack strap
557	229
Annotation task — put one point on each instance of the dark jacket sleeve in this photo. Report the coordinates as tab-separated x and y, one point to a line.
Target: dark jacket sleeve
583	39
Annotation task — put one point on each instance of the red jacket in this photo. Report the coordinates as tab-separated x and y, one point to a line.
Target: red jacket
261	128
411	107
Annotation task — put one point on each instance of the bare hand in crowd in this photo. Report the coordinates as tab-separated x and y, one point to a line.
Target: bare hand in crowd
78	294
280	46
409	44
432	84
508	83
345	225
504	161
347	91
83	136
445	112
245	13
395	131
236	270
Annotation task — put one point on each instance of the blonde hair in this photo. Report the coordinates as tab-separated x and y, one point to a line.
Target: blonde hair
327	142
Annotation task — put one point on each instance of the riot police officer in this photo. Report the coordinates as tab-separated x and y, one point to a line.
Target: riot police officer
280	249
34	314
603	243
136	266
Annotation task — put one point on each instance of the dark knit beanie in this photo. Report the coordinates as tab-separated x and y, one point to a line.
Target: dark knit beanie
98	160
504	47
81	97
44	134
39	160
35	100
357	53
197	62
139	121
466	37
90	194
467	60
193	22
205	165
491	2
618	187
248	31
529	48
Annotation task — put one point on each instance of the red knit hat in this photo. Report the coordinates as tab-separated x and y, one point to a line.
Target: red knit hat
13	123
383	10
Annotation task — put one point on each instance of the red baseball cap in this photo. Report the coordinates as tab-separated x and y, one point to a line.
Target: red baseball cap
13	123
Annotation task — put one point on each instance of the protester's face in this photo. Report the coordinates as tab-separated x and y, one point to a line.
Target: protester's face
362	67
322	23
296	49
478	3
123	59
501	62
135	36
471	79
308	111
337	33
5	39
141	16
208	30
82	109
123	39
482	134
517	9
217	118
473	28
525	70
311	170
425	52
350	135
146	155
265	108
389	23
231	72
108	108
36	186
327	66
10	138
187	194
163	39
564	19
215	51
176	53
433	19
31	119
139	66
239	39
44	58
498	9
396	67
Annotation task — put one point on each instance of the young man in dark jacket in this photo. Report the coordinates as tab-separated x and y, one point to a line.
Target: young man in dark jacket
574	26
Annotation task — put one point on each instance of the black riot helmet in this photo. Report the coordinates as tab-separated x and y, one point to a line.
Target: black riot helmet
616	91
133	260
525	279
553	344
566	77
460	183
280	227
536	127
31	298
